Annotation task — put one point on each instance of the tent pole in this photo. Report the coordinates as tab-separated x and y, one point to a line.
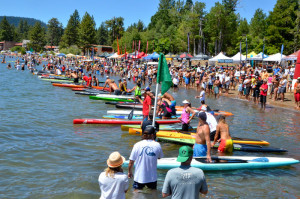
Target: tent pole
155	104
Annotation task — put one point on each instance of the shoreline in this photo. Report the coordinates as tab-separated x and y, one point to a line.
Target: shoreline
288	104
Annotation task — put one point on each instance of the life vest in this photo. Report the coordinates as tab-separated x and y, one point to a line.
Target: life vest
137	91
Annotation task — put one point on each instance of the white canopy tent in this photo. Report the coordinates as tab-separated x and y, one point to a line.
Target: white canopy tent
259	57
114	56
220	56
238	57
275	57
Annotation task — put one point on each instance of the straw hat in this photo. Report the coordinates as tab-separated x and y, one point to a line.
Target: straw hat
115	160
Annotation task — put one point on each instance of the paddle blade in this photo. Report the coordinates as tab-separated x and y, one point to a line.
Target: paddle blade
130	115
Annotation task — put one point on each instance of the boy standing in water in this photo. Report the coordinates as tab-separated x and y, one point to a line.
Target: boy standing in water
226	144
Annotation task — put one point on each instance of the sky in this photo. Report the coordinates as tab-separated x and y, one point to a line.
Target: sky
130	10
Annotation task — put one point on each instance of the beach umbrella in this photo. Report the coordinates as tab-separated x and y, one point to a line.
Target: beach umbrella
61	55
185	56
70	55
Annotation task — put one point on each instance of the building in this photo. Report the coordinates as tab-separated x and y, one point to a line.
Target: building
6	45
100	49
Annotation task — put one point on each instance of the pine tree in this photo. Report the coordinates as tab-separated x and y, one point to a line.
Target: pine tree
54	31
6	33
102	35
71	33
87	31
37	37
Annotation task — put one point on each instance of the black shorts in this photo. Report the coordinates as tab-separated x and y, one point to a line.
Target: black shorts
256	93
185	127
263	99
150	185
175	85
210	87
212	135
117	92
248	90
167	114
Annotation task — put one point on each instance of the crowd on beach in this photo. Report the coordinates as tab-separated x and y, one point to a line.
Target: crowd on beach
213	80
184	181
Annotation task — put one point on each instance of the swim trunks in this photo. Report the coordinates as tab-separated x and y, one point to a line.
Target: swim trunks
226	146
187	80
216	90
200	150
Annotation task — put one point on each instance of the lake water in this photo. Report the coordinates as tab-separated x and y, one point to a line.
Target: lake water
43	155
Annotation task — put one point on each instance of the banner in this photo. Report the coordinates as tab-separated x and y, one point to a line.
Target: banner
147	47
118	46
282	46
188	42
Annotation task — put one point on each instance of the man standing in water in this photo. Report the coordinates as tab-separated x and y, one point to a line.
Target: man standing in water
226	144
202	138
185	181
145	154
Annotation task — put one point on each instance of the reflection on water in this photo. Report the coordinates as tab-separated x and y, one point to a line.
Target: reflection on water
42	153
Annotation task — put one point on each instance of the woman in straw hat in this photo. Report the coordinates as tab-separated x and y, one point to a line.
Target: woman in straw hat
113	182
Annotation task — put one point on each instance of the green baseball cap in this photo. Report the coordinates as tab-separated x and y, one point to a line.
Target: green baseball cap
184	153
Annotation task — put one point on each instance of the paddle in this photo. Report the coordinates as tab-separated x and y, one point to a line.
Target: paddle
131	113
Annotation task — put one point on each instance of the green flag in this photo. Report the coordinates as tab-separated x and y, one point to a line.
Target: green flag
163	74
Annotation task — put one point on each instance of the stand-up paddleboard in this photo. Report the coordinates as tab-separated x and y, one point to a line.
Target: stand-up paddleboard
227	163
135	117
78	86
126	112
111	99
236	147
188	135
116	96
161	127
107	121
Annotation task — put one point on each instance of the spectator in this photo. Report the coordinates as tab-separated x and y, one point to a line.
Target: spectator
184	181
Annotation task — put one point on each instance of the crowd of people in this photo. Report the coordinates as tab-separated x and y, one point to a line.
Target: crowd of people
185	181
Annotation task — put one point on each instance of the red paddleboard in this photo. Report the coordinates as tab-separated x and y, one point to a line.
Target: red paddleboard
108	121
78	86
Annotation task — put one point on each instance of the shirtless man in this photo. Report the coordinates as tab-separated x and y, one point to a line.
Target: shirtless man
169	97
107	82
202	138
226	144
114	88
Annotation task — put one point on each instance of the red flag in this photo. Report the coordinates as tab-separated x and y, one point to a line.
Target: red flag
139	46
135	48
118	46
132	46
147	47
125	53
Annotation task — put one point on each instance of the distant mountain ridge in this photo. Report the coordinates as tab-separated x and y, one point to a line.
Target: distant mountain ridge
15	20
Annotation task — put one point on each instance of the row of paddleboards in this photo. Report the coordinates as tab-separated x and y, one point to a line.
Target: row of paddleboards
168	133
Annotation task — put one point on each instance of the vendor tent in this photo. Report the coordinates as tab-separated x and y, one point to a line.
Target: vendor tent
70	55
238	57
114	56
200	56
220	57
275	57
292	56
185	56
259	56
252	54
154	55
61	55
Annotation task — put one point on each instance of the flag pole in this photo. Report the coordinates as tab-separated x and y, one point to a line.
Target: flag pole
155	104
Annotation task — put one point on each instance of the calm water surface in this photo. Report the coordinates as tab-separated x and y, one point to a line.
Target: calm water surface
43	155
